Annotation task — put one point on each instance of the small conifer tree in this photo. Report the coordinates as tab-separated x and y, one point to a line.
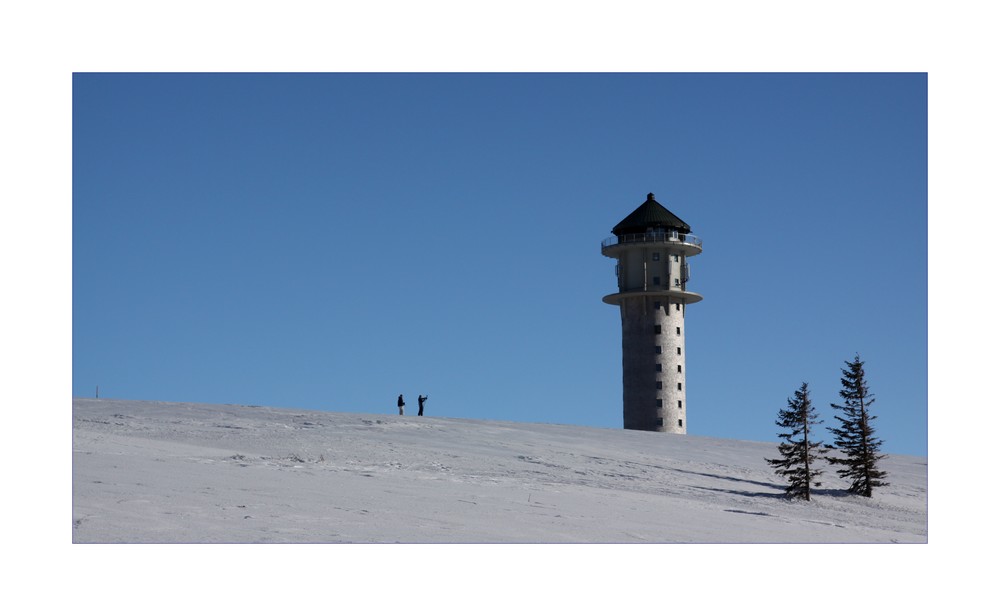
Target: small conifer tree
798	452
855	438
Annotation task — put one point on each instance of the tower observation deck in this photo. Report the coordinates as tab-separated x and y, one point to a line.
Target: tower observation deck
652	247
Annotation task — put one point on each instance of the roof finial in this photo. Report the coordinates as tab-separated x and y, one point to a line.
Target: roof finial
649	197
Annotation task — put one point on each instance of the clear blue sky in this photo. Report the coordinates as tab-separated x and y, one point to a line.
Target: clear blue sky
329	241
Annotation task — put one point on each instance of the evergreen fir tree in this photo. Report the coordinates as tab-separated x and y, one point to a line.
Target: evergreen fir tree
798	452
856	438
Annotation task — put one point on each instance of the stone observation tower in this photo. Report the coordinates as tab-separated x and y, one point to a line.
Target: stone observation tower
652	247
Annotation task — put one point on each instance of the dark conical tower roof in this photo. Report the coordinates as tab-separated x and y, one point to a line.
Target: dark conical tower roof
650	215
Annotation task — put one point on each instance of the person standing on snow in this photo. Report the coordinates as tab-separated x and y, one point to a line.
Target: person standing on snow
400	404
420	401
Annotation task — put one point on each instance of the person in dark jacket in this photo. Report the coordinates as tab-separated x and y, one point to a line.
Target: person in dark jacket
420	401
400	404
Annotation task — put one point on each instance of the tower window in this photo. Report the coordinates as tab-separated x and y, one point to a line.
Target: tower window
656	329
679	368
659	367
679	387
659	384
656	305
659	403
659	350
678	331
676	258
680	404
680	423
678	306
659	421
678	350
677	282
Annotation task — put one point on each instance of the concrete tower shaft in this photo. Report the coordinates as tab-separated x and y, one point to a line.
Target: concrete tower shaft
652	247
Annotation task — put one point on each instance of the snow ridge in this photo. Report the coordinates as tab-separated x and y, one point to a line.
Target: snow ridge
159	472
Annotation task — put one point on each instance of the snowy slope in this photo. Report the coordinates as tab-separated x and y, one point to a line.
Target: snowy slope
155	472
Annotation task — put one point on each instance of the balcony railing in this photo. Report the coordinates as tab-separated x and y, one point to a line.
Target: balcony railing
651	237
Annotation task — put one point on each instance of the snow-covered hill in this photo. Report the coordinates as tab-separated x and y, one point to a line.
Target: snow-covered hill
156	472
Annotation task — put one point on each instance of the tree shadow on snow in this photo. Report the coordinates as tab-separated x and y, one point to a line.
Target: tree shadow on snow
765	484
775	495
779	494
779	488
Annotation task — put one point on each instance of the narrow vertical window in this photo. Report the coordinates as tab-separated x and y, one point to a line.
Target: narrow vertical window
680	423
659	403
659	367
679	369
659	384
678	350
680	404
679	387
659	350
656	329
678	331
